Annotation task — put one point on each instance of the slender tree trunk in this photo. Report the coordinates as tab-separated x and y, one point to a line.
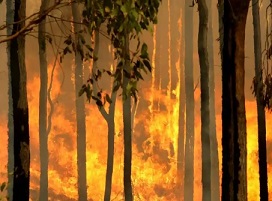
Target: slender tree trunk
10	20
205	112
215	183
190	106
234	181
175	6
43	135
180	152
80	109
260	104
110	157
127	126
21	174
164	45
157	71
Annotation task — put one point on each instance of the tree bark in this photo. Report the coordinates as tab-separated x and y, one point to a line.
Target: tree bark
190	106
234	179
181	133
127	125
215	183
260	104
110	157
43	135
21	173
205	112
80	109
10	20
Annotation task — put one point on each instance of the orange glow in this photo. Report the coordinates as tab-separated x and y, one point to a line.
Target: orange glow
154	158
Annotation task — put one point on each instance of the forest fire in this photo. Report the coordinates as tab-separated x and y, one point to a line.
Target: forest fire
154	142
154	150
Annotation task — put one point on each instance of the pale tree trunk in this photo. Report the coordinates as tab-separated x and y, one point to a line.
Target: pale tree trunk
205	112
234	180
18	80
164	45
190	105
157	70
180	151
43	135
80	109
260	103
109	117
110	157
9	18
175	6
215	183
127	125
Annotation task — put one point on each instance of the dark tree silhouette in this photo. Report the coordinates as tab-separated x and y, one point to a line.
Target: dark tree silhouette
234	179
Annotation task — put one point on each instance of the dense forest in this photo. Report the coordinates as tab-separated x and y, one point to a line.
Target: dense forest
135	100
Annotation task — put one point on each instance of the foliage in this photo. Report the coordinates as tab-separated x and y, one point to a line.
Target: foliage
3	189
121	18
265	82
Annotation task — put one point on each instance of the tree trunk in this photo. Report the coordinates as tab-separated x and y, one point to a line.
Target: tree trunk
157	70
127	126
260	104
110	157
164	46
215	183
180	152
43	135
175	7
18	80
205	112
80	109
10	20
190	106
234	179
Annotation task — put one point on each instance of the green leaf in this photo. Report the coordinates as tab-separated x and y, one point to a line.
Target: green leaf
88	93
3	185
108	99
82	90
68	41
116	87
147	64
66	50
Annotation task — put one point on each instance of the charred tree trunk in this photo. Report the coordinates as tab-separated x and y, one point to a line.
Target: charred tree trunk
260	104
127	125
215	183
205	112
80	109
43	135
190	106
21	174
234	179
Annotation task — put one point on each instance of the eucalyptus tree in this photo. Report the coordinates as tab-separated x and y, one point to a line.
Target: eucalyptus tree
190	104
234	144
125	21
259	93
19	110
80	106
43	135
215	181
205	96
